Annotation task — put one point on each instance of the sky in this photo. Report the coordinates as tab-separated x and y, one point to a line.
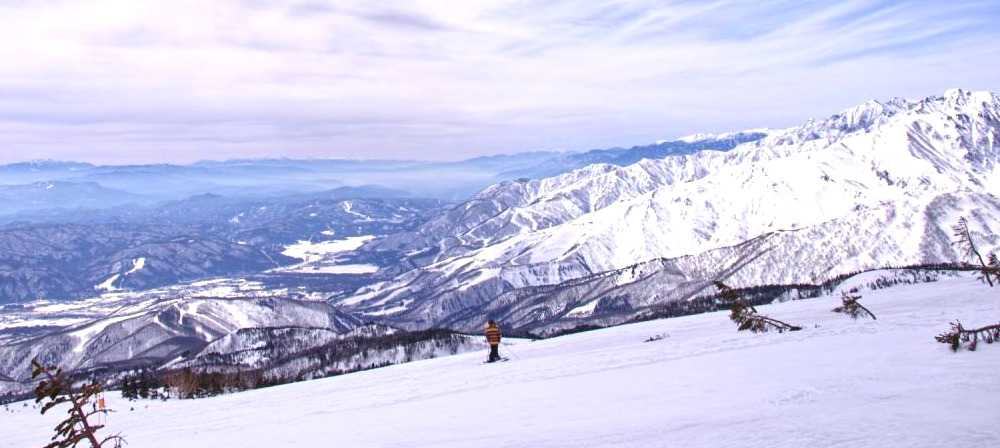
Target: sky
176	81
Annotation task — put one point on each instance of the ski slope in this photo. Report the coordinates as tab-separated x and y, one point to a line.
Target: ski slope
837	383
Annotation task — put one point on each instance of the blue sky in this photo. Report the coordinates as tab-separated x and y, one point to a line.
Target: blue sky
122	81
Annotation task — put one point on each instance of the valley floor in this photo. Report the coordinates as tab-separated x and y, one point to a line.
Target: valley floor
837	383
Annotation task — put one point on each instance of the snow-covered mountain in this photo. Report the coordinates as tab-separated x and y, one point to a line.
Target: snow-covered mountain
299	353
152	332
876	185
686	382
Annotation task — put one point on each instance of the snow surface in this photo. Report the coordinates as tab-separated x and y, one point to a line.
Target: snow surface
137	265
309	251
837	383
109	284
322	257
342	269
583	310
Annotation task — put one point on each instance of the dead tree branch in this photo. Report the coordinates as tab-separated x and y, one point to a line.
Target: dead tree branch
745	315
852	308
987	271
958	335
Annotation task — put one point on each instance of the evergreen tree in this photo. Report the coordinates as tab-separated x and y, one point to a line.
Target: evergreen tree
130	389
852	308
746	316
56	388
144	385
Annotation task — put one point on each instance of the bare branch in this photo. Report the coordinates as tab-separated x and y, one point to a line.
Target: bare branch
958	335
963	236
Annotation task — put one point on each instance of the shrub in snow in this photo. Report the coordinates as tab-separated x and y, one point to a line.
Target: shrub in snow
852	308
56	388
958	335
657	337
746	316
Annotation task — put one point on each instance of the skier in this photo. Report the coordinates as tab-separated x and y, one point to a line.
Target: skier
493	337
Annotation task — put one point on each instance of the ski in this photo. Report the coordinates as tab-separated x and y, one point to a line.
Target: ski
499	360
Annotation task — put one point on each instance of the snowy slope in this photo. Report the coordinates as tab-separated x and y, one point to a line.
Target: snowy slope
702	384
880	184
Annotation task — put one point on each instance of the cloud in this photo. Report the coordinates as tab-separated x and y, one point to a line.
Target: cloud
118	81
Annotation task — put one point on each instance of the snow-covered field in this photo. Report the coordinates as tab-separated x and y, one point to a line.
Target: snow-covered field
322	257
837	383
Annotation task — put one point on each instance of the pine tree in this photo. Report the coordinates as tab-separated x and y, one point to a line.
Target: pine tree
130	389
56	388
144	385
746	316
852	308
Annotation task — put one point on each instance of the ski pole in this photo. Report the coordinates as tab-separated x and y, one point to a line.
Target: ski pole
506	348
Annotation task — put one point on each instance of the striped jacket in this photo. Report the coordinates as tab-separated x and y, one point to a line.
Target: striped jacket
493	334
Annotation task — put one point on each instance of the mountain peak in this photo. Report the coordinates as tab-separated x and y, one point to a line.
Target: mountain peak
694	138
956	95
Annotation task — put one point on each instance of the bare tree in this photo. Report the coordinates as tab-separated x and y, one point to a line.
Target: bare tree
56	388
249	379
852	308
184	382
958	335
746	316
987	271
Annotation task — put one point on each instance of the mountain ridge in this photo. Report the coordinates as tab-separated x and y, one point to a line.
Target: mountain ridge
912	166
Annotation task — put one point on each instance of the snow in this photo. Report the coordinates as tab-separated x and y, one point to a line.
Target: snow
584	310
309	251
137	265
203	283
321	257
341	269
837	383
694	138
59	307
221	291
90	330
349	208
108	284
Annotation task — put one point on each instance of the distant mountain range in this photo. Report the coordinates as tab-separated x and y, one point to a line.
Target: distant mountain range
74	257
47	186
877	185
